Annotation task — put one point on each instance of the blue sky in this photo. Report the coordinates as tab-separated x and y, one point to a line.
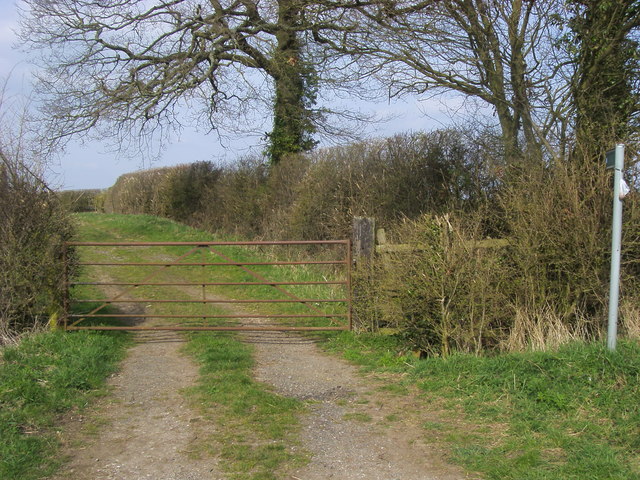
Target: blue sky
91	165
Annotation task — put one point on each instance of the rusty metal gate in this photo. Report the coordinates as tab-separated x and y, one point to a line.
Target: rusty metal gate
333	310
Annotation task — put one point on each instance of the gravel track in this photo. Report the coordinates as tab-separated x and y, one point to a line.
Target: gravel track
146	429
354	430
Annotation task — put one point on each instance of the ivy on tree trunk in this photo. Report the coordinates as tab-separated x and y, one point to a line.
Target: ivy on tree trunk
606	67
295	89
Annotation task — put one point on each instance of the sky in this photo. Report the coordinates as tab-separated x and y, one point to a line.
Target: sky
91	165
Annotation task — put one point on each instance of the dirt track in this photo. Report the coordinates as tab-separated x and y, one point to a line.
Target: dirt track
146	430
354	431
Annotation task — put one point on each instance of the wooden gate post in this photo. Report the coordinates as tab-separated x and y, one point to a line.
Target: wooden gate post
364	238
364	249
64	321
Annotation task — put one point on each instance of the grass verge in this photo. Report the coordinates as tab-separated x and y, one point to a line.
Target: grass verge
567	414
43	377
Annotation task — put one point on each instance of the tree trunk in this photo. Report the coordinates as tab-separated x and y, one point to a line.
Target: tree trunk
294	91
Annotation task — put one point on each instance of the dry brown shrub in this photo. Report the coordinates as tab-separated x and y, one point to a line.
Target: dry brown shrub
139	192
630	318
543	329
80	200
445	291
282	190
33	228
400	177
235	203
175	192
557	219
184	188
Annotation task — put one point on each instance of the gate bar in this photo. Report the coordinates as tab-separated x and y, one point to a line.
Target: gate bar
205	244
219	264
167	284
228	329
302	300
133	315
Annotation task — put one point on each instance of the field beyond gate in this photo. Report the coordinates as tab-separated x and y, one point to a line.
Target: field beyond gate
211	286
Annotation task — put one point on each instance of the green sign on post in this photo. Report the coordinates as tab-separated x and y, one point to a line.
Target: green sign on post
611	159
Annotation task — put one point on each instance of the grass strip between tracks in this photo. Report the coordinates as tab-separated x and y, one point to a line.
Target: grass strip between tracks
256	428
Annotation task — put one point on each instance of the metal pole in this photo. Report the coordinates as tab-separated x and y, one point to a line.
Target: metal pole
616	242
204	280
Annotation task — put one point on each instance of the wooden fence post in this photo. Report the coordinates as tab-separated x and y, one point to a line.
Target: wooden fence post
64	321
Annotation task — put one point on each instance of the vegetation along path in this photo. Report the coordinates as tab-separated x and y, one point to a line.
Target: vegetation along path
295	412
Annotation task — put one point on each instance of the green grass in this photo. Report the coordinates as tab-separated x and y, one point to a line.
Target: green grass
357	417
569	414
43	377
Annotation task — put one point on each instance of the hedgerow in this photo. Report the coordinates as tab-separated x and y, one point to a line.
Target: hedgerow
444	194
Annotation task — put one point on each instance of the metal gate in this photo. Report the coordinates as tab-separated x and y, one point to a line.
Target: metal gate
202	264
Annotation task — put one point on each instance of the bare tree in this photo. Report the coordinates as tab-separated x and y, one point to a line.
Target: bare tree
502	53
139	66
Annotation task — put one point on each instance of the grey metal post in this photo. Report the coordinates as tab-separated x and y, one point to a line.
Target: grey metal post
616	241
